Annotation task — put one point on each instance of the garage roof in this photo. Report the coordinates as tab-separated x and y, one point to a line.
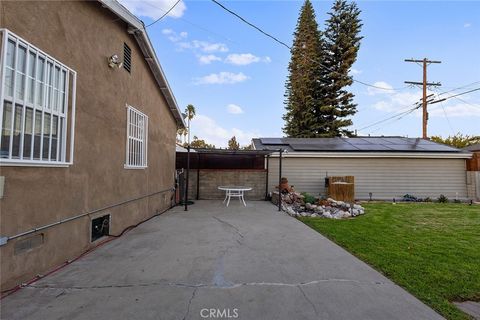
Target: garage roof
357	144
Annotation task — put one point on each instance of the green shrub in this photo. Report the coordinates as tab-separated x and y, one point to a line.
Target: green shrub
427	199
442	199
308	198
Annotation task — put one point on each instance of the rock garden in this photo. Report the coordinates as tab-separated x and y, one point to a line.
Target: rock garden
304	205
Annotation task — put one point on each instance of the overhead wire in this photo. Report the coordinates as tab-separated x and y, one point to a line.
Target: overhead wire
193	24
290	48
400	114
164	15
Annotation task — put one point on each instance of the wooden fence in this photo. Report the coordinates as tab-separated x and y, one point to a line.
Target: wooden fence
341	188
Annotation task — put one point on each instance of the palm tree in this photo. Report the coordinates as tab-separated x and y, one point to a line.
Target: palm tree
190	112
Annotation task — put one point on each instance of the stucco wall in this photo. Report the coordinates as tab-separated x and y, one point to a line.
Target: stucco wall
386	178
211	179
82	35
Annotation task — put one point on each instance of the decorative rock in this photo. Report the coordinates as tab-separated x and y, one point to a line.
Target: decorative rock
294	205
327	214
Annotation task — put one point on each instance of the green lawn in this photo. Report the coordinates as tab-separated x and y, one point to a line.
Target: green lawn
432	250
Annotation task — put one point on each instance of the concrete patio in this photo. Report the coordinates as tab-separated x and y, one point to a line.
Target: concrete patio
253	262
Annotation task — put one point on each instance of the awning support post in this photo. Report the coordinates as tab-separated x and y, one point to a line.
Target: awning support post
279	180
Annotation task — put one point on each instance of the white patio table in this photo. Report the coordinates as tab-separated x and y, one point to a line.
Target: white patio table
234	191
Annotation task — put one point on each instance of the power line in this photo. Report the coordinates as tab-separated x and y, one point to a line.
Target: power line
394	120
455	96
163	16
193	24
287	46
446	117
458	88
462	93
401	114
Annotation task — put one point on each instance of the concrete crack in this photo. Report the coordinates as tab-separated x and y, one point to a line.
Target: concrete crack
218	283
189	303
308	299
170	284
228	224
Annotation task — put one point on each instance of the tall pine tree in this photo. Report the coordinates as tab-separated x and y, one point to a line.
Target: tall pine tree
342	42
303	86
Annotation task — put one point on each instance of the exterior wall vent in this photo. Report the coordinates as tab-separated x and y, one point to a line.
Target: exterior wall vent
28	243
100	227
127	57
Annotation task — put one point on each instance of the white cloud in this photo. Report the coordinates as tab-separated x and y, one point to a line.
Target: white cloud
208	129
394	101
207	59
371	91
234	109
203	46
467	25
456	110
242	59
222	78
154	9
173	36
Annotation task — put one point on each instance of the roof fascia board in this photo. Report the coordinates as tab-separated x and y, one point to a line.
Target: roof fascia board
138	31
421	155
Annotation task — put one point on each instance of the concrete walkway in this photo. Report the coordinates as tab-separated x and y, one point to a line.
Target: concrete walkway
244	263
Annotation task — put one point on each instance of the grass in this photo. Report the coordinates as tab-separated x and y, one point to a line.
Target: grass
432	250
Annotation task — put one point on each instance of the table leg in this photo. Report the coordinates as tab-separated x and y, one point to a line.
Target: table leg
229	196
226	195
243	199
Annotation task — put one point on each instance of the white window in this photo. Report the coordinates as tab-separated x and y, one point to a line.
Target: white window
137	133
35	103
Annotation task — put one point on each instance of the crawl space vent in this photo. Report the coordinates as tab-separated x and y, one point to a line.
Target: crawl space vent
100	227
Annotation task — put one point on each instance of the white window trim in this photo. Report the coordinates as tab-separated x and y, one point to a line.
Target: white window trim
143	161
66	156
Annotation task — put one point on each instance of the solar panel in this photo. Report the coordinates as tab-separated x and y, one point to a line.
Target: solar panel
358	141
323	147
396	141
272	141
373	147
437	147
404	147
367	144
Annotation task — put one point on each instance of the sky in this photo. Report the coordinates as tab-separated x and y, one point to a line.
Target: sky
235	76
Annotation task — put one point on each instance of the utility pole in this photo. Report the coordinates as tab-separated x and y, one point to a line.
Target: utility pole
425	62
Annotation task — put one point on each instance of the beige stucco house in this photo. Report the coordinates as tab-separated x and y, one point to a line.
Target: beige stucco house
88	125
386	167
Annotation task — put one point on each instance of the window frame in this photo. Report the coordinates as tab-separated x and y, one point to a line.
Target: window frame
137	137
59	108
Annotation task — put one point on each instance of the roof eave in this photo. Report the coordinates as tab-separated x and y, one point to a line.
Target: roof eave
138	31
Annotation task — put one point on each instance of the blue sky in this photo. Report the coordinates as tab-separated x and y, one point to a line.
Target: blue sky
235	76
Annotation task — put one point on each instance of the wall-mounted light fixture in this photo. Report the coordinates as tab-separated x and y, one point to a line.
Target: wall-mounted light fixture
114	62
